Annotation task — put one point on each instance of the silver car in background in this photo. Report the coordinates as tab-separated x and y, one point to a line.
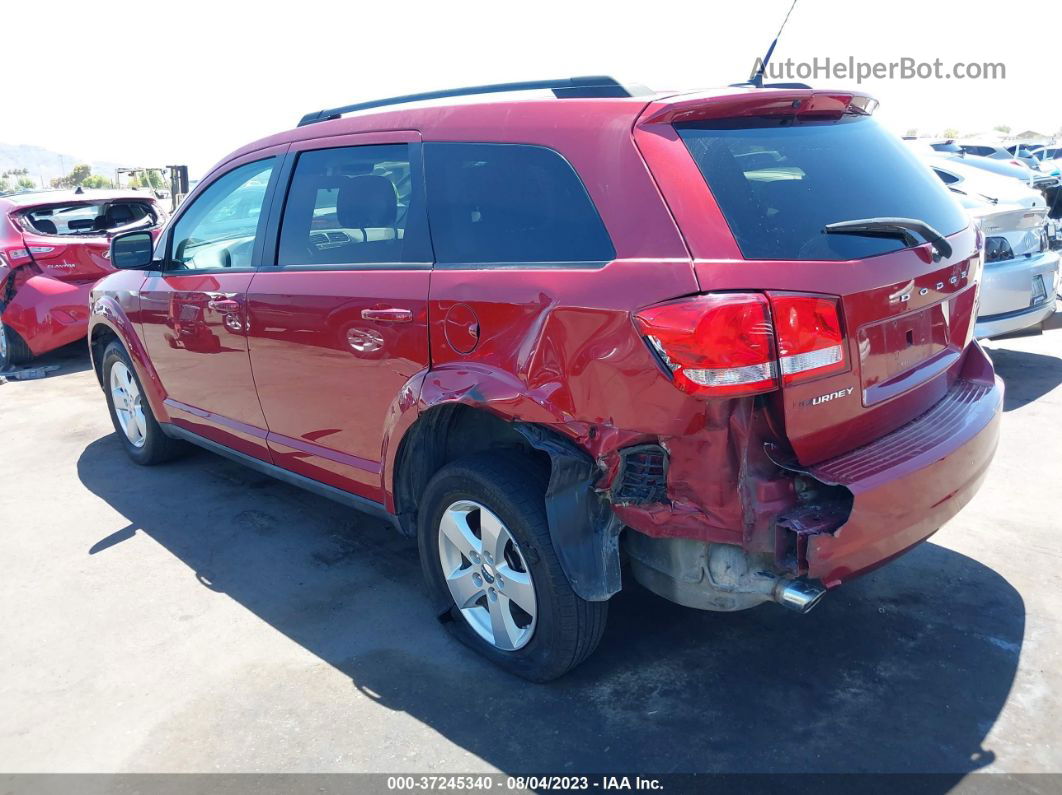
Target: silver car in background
1021	273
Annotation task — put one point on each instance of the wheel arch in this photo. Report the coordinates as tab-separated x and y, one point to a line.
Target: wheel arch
110	323
583	528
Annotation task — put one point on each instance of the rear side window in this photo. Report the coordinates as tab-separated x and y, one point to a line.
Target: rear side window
778	184
510	204
945	177
354	205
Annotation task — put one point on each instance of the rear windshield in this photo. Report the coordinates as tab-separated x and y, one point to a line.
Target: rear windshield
90	218
779	183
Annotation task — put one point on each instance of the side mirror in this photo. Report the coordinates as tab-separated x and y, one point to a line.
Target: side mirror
132	250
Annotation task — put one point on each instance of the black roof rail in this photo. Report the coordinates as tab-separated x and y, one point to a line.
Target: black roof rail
565	87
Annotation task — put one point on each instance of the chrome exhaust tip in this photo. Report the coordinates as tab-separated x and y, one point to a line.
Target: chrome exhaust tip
799	595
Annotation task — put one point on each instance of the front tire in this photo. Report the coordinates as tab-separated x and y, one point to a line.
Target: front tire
138	430
489	562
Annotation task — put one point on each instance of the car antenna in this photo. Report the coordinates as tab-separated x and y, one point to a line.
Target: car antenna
756	78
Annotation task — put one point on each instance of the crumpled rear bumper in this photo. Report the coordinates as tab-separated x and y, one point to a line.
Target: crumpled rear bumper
907	484
48	313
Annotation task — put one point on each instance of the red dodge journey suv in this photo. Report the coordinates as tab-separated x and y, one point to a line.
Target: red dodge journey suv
693	332
54	246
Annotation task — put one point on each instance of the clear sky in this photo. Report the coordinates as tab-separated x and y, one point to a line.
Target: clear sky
155	83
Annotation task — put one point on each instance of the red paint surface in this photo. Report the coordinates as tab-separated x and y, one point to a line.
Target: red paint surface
51	309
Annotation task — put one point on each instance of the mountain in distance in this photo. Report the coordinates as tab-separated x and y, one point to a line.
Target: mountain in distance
45	164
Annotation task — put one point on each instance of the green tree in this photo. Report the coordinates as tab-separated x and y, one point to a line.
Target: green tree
951	132
79	173
1002	128
5	186
77	176
96	181
911	133
153	179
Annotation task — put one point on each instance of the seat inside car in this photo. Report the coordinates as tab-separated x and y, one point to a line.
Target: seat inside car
366	210
114	216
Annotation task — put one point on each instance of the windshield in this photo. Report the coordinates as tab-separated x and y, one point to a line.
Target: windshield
779	183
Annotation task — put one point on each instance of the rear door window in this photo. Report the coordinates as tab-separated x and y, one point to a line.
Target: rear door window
510	204
779	184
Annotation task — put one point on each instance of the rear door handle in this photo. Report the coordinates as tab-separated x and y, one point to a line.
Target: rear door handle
388	314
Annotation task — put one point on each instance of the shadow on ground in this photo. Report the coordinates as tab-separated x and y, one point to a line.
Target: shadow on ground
1027	376
904	670
72	358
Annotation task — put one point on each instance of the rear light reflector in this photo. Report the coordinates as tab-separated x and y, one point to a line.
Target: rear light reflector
714	345
809	337
725	344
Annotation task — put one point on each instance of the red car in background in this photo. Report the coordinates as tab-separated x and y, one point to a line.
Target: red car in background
54	246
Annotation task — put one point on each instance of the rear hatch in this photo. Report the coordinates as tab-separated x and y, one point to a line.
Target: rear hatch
782	166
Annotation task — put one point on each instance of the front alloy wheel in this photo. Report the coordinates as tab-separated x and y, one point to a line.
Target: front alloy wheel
139	431
128	404
487	575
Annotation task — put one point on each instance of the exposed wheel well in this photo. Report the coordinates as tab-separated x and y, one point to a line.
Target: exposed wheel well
444	434
101	338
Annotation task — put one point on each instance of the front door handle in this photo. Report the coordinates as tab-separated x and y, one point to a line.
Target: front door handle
224	305
387	314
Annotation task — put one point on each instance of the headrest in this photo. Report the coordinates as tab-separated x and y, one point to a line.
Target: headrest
367	201
45	227
119	214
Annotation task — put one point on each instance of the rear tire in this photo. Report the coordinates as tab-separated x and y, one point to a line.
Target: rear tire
137	428
501	496
13	349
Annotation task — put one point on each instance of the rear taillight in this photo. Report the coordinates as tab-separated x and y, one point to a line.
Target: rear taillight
998	249
725	344
809	338
714	344
13	256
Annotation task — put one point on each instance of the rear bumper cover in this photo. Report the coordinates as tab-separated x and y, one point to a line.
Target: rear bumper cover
1006	291
907	484
48	313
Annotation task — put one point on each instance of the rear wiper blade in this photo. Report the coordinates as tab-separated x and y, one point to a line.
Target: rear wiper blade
907	229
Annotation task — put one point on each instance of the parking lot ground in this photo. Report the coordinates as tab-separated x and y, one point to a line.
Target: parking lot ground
201	617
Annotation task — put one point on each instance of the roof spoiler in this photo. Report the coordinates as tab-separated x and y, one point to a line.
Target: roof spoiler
596	86
801	103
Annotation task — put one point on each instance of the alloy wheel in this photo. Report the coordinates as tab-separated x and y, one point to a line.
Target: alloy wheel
128	404
487	575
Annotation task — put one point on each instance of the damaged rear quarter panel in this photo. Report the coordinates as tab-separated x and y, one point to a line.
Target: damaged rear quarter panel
558	348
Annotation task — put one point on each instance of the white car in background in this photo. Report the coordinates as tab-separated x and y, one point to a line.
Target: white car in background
1050	158
984	186
1021	273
